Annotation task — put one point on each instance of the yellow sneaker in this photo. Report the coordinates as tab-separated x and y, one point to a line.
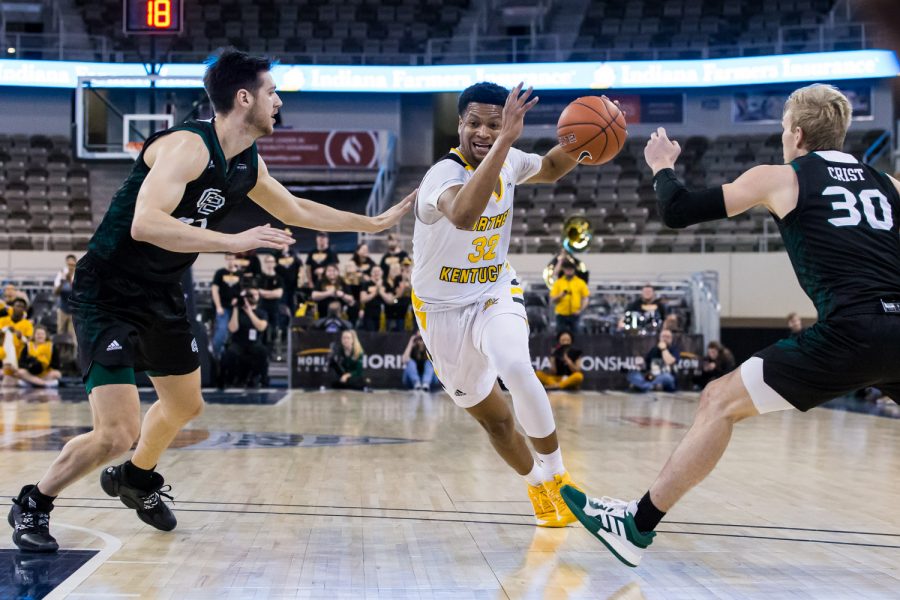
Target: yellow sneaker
545	514
564	515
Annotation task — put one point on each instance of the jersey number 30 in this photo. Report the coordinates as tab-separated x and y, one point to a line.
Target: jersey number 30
853	217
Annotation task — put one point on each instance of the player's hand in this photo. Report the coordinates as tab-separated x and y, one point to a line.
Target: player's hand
661	152
263	236
517	104
392	216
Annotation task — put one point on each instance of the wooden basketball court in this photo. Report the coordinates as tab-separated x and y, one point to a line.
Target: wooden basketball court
398	495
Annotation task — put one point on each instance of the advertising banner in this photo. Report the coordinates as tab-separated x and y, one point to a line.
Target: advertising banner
606	358
289	149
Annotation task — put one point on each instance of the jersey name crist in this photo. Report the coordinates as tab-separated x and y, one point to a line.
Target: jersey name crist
452	266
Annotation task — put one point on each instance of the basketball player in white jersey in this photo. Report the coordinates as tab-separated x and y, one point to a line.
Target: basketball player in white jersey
466	298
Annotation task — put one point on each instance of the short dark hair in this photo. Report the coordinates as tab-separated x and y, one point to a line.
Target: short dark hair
72	256
230	71
19	299
321	234
565	332
482	93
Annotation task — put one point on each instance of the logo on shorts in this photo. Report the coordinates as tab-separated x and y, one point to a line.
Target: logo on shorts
890	307
194	345
459	393
489	303
113	346
210	201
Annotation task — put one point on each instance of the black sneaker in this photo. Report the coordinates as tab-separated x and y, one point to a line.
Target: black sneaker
32	526
149	505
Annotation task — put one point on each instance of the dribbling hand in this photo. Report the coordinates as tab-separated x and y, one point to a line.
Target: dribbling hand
517	104
391	216
263	236
661	152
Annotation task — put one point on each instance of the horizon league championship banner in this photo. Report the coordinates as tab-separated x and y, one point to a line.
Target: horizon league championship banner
603	357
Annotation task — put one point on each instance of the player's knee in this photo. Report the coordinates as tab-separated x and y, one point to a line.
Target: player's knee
115	441
501	429
718	401
515	370
191	408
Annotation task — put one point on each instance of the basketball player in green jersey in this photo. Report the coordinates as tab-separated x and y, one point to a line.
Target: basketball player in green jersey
127	300
840	221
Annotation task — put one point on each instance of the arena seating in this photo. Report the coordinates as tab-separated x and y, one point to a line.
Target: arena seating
619	201
684	29
301	30
43	191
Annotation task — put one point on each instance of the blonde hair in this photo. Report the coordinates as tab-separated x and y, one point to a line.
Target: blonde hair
357	347
823	113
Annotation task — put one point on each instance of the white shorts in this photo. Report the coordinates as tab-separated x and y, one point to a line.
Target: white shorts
453	339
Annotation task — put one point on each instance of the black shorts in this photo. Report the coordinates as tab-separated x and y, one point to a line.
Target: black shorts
835	357
121	321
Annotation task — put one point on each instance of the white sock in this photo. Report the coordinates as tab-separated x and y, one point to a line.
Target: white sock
536	476
552	463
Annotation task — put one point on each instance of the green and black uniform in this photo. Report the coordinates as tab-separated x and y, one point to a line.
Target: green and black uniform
843	239
127	300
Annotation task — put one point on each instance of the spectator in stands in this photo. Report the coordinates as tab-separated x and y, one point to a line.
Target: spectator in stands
418	373
62	289
362	260
565	371
795	325
659	366
570	296
225	288
289	267
245	361
271	291
347	362
34	363
303	294
649	306
718	361
320	258
19	331
332	321
400	287
352	285
394	255
374	296
10	293
331	287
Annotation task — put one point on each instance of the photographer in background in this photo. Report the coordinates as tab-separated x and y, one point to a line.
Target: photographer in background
245	361
565	371
418	373
62	289
659	366
718	361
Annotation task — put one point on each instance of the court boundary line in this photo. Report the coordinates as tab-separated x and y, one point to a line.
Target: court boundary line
499	514
70	583
475	522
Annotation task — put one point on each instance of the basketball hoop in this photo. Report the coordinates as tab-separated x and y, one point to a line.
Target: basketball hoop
134	148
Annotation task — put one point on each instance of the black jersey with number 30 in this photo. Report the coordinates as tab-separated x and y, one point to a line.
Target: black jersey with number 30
843	237
205	202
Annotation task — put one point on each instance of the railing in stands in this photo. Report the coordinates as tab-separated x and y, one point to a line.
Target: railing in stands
386	179
878	148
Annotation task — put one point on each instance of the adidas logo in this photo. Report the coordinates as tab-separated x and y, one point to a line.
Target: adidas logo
194	345
212	165
459	393
113	346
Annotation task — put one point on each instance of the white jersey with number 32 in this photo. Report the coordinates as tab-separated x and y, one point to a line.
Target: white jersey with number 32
452	266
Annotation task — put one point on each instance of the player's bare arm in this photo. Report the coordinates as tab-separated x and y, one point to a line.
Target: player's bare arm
772	186
275	199
554	165
464	204
175	160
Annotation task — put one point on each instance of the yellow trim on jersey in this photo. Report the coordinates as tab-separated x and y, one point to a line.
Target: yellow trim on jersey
516	290
417	310
499	190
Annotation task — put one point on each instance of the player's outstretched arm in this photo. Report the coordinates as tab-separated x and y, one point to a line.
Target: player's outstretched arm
554	165
772	186
275	199
176	160
463	205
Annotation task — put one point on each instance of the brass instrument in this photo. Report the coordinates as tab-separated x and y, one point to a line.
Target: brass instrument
576	237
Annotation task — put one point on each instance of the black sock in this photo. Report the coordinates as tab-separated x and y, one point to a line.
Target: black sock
44	502
647	516
138	477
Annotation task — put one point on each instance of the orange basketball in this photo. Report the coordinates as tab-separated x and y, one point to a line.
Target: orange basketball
591	130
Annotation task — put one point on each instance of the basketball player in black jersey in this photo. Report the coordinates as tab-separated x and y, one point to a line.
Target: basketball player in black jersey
840	221
128	303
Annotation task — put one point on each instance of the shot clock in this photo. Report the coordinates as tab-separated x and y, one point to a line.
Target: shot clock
153	16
